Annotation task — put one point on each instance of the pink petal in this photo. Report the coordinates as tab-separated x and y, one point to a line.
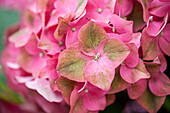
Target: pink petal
118	83
145	4
136	39
161	60
43	87
71	37
110	99
133	58
42	4
136	90
152	67
94	104
164	45
116	51
31	45
125	38
80	8
76	102
62	28
137	17
72	34
155	27
24	79
49	71
50	107
166	32
149	46
31	64
48	43
150	102
123	7
100	73
121	25
159	7
20	38
53	19
33	21
95	91
76	7
66	6
106	6
71	63
132	75
160	84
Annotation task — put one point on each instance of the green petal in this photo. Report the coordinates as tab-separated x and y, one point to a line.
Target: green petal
116	51
150	102
90	36
71	63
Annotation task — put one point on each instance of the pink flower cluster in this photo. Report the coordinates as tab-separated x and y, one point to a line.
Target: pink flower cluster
77	54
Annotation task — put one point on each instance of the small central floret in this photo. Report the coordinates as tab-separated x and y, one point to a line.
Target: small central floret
99	10
60	43
113	29
151	19
161	33
86	90
124	18
41	54
73	29
96	57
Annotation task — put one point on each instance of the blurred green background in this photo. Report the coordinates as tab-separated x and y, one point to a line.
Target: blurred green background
8	18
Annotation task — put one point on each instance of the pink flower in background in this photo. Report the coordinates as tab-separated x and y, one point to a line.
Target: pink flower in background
77	55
